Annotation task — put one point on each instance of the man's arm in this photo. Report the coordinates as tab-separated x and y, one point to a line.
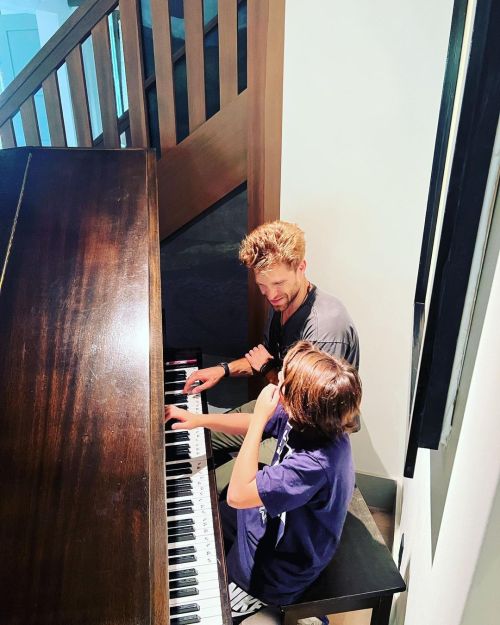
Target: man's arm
204	379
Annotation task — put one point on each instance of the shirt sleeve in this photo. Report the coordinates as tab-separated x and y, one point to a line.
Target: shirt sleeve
275	422
290	484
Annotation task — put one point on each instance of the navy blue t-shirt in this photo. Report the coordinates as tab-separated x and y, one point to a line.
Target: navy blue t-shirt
284	545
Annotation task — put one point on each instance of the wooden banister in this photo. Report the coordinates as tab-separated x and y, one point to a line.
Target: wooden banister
7	135
105	83
79	98
30	122
54	110
132	51
52	55
195	62
241	142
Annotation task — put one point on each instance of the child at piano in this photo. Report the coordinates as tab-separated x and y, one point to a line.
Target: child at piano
282	523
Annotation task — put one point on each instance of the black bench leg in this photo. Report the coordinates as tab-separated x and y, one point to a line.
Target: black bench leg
381	613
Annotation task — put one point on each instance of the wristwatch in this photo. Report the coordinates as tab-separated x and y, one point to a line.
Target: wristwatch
225	366
267	366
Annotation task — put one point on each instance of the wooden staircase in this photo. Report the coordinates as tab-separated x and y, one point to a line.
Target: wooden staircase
240	143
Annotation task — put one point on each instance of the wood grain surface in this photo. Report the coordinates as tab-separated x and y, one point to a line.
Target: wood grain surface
76	408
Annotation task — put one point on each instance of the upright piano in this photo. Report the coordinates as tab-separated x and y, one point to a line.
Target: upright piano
106	517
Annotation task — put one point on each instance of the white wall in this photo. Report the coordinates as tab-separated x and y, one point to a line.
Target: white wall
362	88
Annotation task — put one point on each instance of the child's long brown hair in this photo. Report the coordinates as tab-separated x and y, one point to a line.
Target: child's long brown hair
321	393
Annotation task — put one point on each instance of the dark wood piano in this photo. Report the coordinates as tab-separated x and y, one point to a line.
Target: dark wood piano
85	535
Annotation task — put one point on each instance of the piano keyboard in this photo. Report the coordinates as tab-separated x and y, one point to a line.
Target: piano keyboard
193	560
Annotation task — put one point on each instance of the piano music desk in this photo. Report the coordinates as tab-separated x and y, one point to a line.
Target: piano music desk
361	575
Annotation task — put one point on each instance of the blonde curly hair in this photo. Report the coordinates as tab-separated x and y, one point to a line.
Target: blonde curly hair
273	243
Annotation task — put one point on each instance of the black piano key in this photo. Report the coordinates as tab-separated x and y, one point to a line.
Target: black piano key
183	492
180	511
180	522
175	398
179	538
181	551
180	363
184	592
179	504
176	489
185	620
182	560
174	386
173	531
175	436
182	446
182	609
174	471
183	573
179	480
175	376
183	583
180	465
183	529
183	455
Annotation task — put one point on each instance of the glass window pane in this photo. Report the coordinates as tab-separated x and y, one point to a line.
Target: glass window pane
242	46
177	24
210	9
181	101
147	38
154	127
212	89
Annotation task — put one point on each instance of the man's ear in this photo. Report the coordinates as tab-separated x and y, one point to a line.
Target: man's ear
302	265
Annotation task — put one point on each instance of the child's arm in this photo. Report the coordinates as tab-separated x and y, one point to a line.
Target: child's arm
242	491
232	423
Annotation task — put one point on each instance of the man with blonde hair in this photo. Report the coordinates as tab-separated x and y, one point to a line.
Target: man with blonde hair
275	252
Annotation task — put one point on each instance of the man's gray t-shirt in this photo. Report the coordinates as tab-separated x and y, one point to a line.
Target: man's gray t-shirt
323	320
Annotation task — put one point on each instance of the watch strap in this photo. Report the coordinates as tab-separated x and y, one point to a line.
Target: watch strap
225	366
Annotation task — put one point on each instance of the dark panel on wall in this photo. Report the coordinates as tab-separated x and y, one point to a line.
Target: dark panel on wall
204	286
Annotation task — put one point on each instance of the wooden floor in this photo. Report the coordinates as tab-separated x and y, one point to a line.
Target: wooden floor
385	523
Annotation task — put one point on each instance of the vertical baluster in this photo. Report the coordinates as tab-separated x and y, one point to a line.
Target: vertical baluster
30	122
78	89
132	51
195	63
228	51
7	135
105	83
54	111
164	73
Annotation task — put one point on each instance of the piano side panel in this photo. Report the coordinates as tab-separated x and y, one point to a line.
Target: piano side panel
158	565
75	394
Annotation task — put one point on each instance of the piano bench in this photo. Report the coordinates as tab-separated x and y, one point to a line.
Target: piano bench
361	575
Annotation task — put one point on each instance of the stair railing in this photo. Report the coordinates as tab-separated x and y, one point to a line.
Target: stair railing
65	47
